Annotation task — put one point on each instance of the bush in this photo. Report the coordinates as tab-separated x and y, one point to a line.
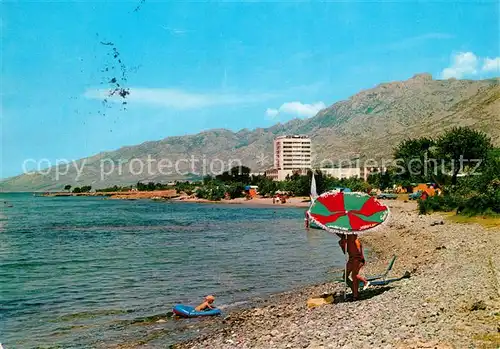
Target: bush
486	203
236	190
355	184
446	203
211	192
201	193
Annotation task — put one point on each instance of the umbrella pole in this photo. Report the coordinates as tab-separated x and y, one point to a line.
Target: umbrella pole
345	269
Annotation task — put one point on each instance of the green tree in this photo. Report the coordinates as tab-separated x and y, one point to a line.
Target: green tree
67	187
488	175
186	187
463	147
114	188
267	187
355	184
235	174
85	189
382	180
241	174
411	159
76	190
207	179
213	192
256	179
236	190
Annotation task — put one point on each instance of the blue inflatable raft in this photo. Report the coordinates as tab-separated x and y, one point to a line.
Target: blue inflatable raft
189	311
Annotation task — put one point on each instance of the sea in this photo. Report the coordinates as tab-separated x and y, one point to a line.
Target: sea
91	272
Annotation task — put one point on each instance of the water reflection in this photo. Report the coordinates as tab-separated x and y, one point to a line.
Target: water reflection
315	237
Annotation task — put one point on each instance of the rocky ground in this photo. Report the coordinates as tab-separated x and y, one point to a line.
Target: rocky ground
452	299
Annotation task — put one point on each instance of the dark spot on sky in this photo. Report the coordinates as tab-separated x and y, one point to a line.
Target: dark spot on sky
116	82
124	93
138	7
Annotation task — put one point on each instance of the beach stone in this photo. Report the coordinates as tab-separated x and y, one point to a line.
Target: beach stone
478	305
304	343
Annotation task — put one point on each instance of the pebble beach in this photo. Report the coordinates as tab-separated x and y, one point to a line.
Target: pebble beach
451	300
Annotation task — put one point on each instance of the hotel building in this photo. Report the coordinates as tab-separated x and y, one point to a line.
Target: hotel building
292	152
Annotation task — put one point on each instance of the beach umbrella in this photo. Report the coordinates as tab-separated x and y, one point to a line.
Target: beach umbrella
347	212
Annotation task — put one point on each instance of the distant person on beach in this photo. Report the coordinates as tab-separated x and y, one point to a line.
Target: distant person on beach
355	263
207	304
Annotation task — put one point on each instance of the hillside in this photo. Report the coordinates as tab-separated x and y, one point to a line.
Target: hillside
369	124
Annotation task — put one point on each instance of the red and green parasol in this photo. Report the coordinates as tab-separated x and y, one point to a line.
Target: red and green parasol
347	213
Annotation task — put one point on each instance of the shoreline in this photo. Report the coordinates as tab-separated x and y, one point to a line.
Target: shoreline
173	196
460	311
296	202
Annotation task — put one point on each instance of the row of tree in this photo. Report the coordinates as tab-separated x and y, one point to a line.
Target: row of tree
462	162
459	151
83	189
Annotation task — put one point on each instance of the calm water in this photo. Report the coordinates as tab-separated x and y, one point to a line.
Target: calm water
90	272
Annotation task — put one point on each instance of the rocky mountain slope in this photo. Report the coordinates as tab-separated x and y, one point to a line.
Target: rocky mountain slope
369	124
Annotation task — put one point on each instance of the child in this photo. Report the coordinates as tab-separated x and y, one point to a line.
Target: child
355	263
207	304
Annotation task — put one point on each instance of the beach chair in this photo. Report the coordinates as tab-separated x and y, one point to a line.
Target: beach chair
373	278
383	276
385	282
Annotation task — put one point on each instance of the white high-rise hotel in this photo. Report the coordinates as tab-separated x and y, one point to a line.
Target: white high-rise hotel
292	152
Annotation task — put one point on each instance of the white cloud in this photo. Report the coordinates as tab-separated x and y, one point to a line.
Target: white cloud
468	64
296	108
491	65
463	63
177	99
272	113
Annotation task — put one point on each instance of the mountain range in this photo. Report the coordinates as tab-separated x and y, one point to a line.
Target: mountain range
368	125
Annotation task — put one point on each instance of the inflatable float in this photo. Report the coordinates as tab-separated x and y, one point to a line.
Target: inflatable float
189	311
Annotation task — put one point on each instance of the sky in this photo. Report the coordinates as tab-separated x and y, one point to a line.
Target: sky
193	66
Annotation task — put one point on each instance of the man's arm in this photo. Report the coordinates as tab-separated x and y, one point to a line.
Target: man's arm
342	244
